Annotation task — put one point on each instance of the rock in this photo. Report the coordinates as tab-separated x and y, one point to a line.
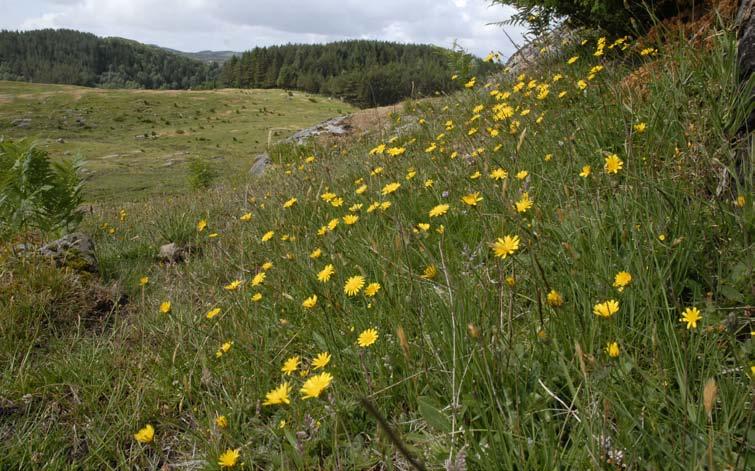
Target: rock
60	140
21	122
261	162
171	253
746	49
337	126
73	251
530	54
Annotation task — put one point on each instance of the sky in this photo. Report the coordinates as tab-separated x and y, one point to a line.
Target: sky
238	25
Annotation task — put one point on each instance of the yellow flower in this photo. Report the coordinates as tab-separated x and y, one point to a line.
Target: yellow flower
290	203
225	348
372	289
621	280
612	348
472	199
475	175
585	171
439	210
613	164
499	174
316	253
662	237
327	197
213	312
423	226
278	395
290	365
554	298
385	205
165	307
429	183
350	219
353	285
390	188
572	60
333	224
326	273
246	217
201	225
606	308
511	281
430	272
740	201
506	246
268	235
267	265
411	174
321	360
522	174
691	315
258	278
145	435
361	189
229	458
524	203
581	84
471	83
221	421
367	338
640	127
257	297
232	286
315	385
395	152
310	302
378	150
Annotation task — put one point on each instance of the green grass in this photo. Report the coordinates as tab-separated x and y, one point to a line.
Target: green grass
467	365
138	142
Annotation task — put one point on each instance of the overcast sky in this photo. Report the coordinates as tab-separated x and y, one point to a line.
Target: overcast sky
193	25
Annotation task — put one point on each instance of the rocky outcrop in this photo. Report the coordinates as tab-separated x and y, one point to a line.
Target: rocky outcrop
337	126
260	164
74	251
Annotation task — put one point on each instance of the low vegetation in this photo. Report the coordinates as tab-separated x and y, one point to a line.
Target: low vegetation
546	271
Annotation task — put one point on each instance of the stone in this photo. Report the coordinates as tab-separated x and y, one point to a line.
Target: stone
746	49
171	253
21	122
261	161
74	250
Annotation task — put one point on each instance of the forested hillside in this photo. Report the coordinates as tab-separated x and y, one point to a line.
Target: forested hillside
365	73
76	58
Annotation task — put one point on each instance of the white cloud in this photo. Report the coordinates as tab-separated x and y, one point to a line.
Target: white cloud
242	24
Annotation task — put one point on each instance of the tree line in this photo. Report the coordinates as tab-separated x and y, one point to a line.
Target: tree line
362	72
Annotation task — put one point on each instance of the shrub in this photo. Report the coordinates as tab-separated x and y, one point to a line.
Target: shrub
201	173
36	193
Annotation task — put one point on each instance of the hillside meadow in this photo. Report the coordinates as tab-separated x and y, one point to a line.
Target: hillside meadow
541	272
137	143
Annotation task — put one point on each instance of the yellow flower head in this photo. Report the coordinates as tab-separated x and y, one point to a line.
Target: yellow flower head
430	272
165	307
640	127
316	253
554	298
326	273
390	188
353	285
439	210
613	164
367	338
268	235
622	280
524	203
267	265
361	189
350	219
521	175
201	225
372	289
315	385
246	217
691	315
233	285
585	171
506	246
613	349
472	198
213	312
143	280
499	174
258	278
145	435
290	365
221	421
606	308
229	458
321	360
310	302
257	297
278	395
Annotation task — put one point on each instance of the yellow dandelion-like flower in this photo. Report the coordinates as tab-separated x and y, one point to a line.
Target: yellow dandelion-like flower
267	236
333	224
213	312
572	60
290	203
472	198
353	285
224	348
315	385
145	435
586	170
143	281
290	365
380	149
201	225
613	164
278	395
321	360
581	84
310	302
691	315
367	338
508	245
257	297
554	298
612	348
350	219
336	202
361	189
246	217
372	289
429	183
325	274
221	421
521	175
430	272
640	127
439	210
259	278
524	203
233	285
165	307
229	458
267	265
423	226
316	253
606	308
475	175
622	280
499	174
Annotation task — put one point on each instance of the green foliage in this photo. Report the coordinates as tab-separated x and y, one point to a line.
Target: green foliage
36	193
76	58
616	16
200	173
178	228
364	73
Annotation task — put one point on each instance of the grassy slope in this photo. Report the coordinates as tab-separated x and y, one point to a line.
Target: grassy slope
481	368
227	127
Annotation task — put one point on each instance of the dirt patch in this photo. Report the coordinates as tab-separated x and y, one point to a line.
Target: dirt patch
694	24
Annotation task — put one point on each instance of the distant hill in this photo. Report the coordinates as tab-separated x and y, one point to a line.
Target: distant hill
205	56
76	58
362	72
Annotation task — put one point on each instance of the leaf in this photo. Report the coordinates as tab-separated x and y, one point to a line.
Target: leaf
432	415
